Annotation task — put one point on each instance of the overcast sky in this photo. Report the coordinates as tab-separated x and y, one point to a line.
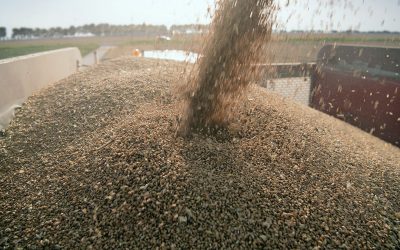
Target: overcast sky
302	14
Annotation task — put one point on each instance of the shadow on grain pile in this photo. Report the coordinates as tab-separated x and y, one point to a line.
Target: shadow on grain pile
279	176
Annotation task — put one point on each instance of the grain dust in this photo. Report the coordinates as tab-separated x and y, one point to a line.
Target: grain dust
240	32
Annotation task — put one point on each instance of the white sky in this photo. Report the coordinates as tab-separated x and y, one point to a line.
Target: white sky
301	14
363	15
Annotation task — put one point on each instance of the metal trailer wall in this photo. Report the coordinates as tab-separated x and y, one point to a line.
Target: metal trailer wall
21	76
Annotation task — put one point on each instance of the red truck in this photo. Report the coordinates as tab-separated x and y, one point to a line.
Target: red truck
360	85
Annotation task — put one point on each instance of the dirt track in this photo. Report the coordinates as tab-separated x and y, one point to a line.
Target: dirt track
93	161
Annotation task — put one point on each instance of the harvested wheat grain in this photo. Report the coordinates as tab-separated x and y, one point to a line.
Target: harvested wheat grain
280	176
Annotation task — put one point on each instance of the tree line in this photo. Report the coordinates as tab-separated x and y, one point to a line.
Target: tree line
133	30
3	32
105	30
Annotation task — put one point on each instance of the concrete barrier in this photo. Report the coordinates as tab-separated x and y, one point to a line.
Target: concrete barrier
21	76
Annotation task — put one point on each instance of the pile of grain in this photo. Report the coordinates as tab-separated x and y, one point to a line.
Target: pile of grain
239	34
93	162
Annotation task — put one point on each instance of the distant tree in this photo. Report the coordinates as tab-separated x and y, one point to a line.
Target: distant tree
104	29
3	32
18	33
40	33
14	32
72	30
23	33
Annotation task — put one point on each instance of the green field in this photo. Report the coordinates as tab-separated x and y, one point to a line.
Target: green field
7	52
15	48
